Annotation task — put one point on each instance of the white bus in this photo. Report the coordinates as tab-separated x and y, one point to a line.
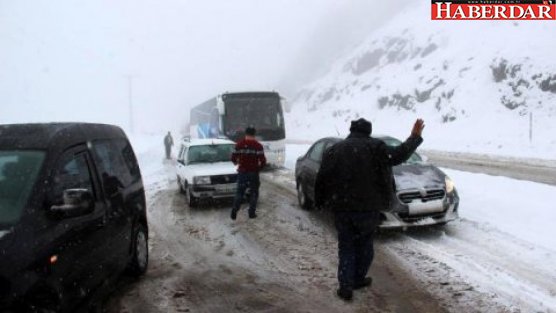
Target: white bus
227	115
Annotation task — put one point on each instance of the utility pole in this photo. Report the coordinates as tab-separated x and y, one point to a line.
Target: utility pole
530	127
130	100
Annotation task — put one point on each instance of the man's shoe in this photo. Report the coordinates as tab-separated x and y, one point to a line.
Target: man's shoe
345	293
252	215
233	215
367	281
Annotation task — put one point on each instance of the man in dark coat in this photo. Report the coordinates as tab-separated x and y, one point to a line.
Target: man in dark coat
168	143
356	181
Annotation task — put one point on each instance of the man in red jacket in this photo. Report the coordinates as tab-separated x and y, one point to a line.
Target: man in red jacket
249	156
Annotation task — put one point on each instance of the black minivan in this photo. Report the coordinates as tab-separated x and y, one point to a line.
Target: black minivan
72	213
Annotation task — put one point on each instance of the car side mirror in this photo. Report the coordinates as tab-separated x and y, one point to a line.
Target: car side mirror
77	202
181	162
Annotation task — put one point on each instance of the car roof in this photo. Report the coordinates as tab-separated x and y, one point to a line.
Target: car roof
381	137
250	93
54	136
207	141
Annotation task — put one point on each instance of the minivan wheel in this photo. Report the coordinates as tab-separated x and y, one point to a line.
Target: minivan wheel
304	202
140	258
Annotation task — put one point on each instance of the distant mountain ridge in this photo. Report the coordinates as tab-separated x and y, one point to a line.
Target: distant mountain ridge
452	73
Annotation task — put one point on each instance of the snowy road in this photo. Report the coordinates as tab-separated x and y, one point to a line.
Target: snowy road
285	260
537	170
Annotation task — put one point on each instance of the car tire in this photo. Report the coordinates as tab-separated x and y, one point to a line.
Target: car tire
191	199
140	259
180	185
302	198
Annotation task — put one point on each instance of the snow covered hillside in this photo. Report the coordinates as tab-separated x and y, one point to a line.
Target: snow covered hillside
475	84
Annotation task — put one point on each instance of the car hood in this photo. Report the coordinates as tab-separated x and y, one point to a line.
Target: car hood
418	176
211	169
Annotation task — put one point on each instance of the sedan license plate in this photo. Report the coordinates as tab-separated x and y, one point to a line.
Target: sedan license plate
226	189
426	207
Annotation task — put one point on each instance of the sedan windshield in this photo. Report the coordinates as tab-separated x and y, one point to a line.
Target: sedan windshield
393	142
18	172
210	154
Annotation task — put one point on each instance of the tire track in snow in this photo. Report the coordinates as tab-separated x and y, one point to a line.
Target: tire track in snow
492	262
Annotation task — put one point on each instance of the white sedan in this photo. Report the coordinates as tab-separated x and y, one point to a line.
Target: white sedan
205	169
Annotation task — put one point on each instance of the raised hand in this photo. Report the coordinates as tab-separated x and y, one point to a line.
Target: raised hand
418	128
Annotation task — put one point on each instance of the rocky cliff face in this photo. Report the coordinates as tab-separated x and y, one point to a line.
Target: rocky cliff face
482	78
449	73
403	74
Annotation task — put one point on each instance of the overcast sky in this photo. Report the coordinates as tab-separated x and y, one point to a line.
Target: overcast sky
68	60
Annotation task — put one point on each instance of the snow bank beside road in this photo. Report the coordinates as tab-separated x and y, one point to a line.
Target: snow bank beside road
520	208
149	150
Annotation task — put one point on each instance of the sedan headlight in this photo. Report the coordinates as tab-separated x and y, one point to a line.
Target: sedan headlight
201	180
449	184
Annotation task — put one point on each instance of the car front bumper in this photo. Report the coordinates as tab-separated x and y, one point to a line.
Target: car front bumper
393	220
214	191
421	214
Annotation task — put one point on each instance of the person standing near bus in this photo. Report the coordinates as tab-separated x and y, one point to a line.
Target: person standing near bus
168	143
250	159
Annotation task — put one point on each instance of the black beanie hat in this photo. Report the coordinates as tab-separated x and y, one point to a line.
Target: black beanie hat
361	126
250	131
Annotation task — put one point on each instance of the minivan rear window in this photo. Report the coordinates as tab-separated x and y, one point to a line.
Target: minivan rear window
18	172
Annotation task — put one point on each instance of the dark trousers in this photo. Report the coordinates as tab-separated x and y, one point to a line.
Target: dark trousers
355	245
168	151
247	180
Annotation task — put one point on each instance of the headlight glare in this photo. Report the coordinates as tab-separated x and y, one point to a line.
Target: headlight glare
201	180
449	185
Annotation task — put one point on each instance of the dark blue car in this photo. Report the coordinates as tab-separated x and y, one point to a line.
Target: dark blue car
424	195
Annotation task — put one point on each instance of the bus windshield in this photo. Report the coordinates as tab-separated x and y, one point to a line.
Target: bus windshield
264	113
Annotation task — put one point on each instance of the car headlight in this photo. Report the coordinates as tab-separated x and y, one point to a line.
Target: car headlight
201	180
449	184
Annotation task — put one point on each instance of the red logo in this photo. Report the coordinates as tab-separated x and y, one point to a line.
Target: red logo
493	10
